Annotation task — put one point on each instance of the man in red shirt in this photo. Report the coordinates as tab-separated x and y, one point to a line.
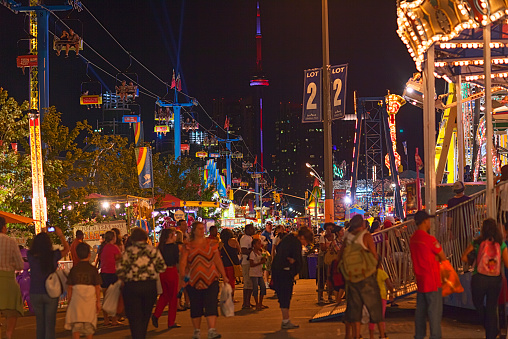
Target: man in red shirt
426	253
75	243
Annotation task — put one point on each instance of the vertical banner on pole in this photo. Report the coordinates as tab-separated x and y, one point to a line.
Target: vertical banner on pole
139	136
144	166
312	96
338	80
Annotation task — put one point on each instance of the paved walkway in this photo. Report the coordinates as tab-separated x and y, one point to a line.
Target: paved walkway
266	324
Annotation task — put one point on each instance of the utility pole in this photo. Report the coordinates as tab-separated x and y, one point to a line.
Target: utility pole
327	118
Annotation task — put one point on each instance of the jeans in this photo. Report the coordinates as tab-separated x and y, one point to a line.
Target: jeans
428	305
139	298
486	287
258	281
45	309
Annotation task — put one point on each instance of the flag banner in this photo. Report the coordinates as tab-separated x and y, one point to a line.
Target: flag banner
222	186
312	95
144	166
139	136
338	79
404	143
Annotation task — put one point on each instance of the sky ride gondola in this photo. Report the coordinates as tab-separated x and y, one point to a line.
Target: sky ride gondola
127	84
68	35
91	92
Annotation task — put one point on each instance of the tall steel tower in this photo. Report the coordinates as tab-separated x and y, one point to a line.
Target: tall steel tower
259	80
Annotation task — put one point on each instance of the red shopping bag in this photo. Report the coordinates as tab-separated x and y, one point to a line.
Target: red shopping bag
449	279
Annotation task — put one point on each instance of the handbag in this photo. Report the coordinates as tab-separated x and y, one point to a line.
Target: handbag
56	284
330	256
237	268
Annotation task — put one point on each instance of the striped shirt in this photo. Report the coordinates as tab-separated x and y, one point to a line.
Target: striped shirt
10	256
200	260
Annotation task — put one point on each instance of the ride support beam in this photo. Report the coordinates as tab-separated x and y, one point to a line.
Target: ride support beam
460	129
429	134
451	125
491	195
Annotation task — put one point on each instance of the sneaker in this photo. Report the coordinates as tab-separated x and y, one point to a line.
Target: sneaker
212	334
288	326
197	334
155	321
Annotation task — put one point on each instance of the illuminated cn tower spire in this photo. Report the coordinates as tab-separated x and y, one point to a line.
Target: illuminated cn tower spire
259	79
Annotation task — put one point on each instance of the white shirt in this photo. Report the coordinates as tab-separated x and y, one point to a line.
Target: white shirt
256	271
246	242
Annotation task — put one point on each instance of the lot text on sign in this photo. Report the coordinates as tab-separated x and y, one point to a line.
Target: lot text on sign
312	97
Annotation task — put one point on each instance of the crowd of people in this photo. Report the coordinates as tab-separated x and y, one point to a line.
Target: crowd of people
188	267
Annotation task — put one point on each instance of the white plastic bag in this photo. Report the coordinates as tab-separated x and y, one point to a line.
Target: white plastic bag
110	304
226	301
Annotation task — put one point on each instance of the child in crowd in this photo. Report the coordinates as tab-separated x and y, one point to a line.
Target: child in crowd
383	282
256	273
83	287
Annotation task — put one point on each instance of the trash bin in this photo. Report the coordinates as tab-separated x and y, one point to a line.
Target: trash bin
312	260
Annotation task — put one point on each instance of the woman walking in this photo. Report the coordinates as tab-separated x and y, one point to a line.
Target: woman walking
169	278
229	254
202	264
109	253
43	261
138	268
489	249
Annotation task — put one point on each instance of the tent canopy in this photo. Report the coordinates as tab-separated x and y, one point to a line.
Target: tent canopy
11	218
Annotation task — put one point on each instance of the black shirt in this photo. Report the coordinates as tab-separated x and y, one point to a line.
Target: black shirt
84	274
170	253
289	247
233	254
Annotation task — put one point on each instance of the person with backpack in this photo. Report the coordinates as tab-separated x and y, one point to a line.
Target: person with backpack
358	258
426	253
486	281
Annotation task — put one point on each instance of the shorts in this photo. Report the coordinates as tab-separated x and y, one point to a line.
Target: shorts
10	313
83	328
283	286
108	279
204	301
247	283
365	292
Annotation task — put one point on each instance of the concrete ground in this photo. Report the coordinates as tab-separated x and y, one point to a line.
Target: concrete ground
457	323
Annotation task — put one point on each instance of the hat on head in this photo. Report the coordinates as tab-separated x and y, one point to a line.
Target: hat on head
421	216
458	187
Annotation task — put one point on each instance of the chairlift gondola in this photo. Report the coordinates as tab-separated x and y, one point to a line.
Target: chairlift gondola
127	84
24	59
68	36
91	92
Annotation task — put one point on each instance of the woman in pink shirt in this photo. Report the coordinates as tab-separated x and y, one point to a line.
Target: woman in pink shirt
108	254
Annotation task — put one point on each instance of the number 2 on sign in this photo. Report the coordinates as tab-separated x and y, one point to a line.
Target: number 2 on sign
337	87
312	90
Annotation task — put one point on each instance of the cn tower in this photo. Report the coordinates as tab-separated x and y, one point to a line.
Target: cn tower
259	80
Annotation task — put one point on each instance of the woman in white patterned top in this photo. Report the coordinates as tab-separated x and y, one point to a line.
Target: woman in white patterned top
138	268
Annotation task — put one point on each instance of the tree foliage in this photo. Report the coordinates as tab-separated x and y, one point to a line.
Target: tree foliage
76	162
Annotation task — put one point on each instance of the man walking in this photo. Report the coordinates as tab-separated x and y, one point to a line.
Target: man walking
11	304
426	253
246	245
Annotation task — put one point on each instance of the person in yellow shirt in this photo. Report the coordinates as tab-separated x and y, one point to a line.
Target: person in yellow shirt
383	282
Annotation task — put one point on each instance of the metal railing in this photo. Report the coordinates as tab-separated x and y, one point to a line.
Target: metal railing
455	228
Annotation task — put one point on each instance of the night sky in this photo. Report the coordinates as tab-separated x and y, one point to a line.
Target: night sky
214	45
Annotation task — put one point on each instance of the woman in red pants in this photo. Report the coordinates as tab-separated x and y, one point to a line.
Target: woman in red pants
169	278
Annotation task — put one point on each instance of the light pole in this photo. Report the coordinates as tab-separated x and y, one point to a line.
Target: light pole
327	118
